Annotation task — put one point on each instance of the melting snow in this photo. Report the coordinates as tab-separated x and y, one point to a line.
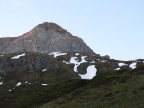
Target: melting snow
74	61
26	82
18	56
1	83
18	84
44	84
117	69
91	72
133	65
66	62
56	54
9	90
77	54
44	70
121	64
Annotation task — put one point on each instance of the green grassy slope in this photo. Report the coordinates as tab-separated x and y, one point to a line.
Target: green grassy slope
123	89
109	89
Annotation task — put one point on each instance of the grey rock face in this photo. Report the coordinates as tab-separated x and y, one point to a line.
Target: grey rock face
46	37
4	43
27	64
106	57
33	66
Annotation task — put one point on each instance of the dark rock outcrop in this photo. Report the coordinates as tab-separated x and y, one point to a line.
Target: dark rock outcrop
34	67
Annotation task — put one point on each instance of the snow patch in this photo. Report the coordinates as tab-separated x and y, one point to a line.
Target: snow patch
66	62
18	84
77	54
9	90
121	64
133	65
117	69
43	70
56	54
26	82
18	56
91	72
74	61
44	84
1	83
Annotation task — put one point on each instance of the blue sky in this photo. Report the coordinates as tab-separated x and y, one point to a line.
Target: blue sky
113	27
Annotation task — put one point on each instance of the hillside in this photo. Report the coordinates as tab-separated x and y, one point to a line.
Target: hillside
109	89
42	80
122	89
48	67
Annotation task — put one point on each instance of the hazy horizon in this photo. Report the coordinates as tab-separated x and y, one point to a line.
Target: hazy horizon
114	28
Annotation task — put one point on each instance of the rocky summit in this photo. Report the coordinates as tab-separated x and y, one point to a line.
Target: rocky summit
46	37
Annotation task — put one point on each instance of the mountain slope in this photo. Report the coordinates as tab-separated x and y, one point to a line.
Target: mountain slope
123	89
49	68
109	89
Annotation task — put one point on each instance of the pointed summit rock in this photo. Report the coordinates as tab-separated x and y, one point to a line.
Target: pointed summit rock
46	37
52	26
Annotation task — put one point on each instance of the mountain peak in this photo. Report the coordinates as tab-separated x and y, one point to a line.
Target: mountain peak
52	26
46	37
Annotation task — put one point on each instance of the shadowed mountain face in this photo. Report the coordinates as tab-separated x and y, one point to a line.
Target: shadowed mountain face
46	37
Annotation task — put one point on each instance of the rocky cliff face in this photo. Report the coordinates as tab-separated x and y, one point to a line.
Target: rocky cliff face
46	37
4	43
34	67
